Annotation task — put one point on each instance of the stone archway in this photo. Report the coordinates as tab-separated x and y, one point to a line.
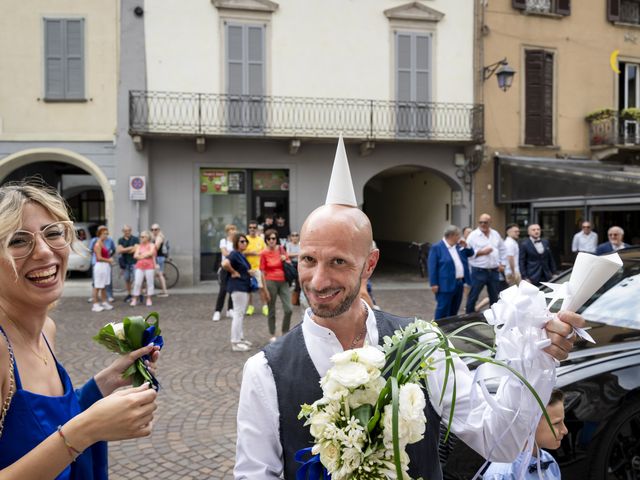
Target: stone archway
25	157
410	203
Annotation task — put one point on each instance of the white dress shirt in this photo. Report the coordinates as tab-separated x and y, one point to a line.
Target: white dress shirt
478	240
453	251
512	249
487	430
584	243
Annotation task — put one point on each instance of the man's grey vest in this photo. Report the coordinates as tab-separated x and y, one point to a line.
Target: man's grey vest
297	382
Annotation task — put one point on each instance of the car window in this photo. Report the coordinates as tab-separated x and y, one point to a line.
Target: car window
618	301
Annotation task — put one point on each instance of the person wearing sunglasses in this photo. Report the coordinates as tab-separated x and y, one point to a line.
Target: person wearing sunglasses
271	261
239	287
49	430
255	247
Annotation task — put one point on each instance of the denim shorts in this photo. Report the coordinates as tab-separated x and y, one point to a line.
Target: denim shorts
128	273
160	262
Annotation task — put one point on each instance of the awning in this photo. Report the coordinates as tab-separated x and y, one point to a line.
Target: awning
528	179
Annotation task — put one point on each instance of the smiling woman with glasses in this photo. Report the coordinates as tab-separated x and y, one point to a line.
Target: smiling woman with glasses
48	429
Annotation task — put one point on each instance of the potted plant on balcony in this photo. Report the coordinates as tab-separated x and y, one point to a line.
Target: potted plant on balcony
601	125
600	115
632	114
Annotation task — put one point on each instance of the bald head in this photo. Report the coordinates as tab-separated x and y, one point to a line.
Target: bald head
339	221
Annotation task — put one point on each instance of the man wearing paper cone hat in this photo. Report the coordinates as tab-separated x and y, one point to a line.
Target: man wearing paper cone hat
336	255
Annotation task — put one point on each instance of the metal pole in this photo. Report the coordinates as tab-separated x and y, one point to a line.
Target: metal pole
138	216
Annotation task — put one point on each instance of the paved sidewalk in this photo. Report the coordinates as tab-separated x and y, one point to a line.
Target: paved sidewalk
194	433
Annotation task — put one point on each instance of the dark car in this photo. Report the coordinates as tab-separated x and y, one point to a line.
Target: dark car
601	382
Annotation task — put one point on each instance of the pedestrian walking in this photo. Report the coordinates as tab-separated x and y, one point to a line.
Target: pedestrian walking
512	249
239	286
449	271
486	263
226	247
293	251
101	271
254	248
125	249
111	248
586	240
273	278
162	251
145	256
615	243
536	261
48	429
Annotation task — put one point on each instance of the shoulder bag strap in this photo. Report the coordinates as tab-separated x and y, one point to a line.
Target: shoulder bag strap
12	384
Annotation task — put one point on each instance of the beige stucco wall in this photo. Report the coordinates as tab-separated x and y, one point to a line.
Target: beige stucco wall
583	79
23	114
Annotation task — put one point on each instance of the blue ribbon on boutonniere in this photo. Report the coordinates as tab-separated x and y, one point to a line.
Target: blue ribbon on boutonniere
311	469
148	337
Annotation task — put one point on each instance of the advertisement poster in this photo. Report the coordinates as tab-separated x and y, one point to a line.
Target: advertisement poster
221	182
271	180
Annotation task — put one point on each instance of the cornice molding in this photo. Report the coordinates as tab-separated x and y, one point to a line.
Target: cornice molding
246	5
414	11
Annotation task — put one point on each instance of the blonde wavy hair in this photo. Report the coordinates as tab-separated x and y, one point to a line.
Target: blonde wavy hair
13	198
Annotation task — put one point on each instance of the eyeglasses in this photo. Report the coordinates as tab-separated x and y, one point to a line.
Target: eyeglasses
272	238
242	241
252	227
57	236
155	229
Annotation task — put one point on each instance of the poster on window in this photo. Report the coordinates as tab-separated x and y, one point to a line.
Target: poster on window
271	180
221	182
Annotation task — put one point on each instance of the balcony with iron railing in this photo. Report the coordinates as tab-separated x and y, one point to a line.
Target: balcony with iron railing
610	128
153	113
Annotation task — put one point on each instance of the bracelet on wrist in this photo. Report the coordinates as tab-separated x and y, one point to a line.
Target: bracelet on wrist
75	453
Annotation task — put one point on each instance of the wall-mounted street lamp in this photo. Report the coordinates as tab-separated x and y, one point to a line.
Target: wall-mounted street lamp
504	73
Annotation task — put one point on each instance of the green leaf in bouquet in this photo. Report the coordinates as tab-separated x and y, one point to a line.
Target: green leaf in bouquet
363	413
134	328
154	319
107	338
395	406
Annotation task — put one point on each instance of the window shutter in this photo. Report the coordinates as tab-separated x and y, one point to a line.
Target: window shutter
255	60
519	4
403	67
423	68
54	55
539	97
74	68
564	7
235	60
613	10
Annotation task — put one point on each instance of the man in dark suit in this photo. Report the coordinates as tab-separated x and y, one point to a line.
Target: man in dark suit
536	262
615	243
449	271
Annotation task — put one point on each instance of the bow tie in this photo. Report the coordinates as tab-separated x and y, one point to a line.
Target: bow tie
537	241
543	466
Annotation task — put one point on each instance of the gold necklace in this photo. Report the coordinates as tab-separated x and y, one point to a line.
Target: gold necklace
362	332
40	356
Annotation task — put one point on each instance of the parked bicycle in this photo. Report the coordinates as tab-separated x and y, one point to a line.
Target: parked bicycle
423	253
171	274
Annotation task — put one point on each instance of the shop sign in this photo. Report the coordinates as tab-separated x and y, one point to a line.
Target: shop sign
221	182
271	180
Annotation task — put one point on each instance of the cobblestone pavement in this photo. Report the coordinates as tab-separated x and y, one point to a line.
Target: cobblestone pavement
194	434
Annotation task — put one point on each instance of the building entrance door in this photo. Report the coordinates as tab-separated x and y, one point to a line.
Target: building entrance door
558	226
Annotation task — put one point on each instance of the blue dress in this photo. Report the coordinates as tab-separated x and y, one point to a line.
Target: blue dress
32	417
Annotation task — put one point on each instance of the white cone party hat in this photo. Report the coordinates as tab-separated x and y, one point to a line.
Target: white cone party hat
340	185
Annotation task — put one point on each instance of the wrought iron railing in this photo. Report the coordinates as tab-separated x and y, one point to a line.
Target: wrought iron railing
538	6
206	114
614	130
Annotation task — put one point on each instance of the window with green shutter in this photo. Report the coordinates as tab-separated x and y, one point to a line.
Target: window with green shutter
64	59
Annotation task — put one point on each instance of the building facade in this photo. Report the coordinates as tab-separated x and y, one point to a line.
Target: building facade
234	108
562	143
58	99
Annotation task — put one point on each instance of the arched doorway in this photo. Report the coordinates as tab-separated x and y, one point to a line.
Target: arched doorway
408	204
80	181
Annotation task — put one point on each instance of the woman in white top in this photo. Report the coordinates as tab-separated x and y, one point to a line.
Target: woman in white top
226	247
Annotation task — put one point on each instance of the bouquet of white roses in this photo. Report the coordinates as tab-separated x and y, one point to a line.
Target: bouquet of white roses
129	335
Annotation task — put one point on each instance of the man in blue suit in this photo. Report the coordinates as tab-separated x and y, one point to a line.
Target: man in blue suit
615	243
536	261
449	271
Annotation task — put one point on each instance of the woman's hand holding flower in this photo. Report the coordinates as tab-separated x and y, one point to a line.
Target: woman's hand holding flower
110	379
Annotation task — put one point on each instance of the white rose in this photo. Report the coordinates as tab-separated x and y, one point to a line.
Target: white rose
319	423
362	396
387	429
351	459
332	389
118	329
371	356
329	455
411	401
350	375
